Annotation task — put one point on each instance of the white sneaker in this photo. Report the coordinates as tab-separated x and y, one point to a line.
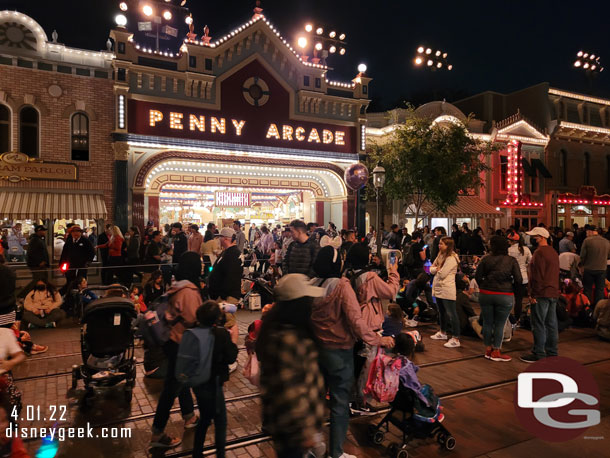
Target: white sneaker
440	335
347	455
453	343
233	367
411	323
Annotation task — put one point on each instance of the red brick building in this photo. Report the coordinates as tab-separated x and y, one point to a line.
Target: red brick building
56	117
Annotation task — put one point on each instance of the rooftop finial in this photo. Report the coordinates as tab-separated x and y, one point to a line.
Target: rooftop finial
108	45
258	11
54	36
206	35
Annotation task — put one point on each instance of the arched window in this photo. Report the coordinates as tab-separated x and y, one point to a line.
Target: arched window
80	137
587	170
29	131
5	129
563	170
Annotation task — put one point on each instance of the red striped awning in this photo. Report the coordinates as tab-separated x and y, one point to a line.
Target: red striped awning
40	205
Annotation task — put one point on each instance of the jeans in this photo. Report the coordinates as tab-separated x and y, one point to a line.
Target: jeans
520	293
337	367
172	388
211	402
595	278
448	317
495	309
544	327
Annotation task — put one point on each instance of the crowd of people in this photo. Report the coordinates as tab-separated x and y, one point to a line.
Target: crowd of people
335	302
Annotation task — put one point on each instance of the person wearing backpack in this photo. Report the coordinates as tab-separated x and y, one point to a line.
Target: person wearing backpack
370	290
204	356
184	298
337	323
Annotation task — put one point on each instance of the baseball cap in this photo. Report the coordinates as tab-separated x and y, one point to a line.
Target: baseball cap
540	231
294	286
40	227
513	236
226	232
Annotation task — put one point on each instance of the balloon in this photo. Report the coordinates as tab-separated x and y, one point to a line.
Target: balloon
356	176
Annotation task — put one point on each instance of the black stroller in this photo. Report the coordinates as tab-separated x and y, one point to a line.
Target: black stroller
107	346
404	415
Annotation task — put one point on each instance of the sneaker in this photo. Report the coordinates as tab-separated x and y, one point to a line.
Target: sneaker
364	410
441	417
411	324
497	356
191	422
529	358
36	349
233	367
347	455
488	353
453	343
165	441
440	335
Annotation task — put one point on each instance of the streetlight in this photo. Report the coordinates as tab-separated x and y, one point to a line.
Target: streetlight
435	60
589	62
320	41
378	182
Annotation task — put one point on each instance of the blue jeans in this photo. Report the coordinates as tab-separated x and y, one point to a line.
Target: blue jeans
448	317
211	402
172	389
544	327
337	367
595	278
495	309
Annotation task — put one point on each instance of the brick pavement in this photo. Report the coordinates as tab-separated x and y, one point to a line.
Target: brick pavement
438	369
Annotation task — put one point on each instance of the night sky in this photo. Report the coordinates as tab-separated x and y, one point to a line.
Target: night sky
499	45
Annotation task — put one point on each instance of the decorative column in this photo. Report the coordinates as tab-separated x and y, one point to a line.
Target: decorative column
153	210
137	210
121	186
319	212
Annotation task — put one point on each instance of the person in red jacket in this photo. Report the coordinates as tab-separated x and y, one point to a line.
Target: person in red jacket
115	255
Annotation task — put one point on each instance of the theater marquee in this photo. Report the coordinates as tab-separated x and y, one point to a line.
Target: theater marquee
162	120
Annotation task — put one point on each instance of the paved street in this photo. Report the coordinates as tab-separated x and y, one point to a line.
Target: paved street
476	393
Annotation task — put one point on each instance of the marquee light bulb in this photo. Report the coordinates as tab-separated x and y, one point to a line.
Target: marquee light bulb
308	27
120	20
167	15
123	6
147	10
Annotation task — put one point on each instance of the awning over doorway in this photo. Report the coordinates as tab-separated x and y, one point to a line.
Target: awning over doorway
468	207
41	205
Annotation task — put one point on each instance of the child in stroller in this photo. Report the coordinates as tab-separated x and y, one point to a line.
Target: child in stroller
418	408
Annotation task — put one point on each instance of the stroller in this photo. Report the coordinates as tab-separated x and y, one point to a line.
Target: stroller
406	415
107	346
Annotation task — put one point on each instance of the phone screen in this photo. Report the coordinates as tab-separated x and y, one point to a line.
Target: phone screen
392	258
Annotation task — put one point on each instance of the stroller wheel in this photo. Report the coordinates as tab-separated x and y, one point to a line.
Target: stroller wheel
449	443
375	436
396	451
402	453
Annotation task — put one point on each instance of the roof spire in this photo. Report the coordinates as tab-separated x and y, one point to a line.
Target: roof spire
258	11
206	35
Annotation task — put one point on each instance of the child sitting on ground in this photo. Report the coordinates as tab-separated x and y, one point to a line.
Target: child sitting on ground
412	394
25	341
394	321
138	299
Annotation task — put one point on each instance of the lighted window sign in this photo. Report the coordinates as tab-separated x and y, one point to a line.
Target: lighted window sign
232	199
301	134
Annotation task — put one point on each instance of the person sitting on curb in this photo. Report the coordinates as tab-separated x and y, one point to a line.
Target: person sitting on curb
42	306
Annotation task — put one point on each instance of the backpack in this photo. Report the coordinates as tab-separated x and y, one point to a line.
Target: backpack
194	360
383	378
372	311
159	326
409	256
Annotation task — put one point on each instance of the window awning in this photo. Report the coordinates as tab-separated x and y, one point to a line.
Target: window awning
468	207
41	205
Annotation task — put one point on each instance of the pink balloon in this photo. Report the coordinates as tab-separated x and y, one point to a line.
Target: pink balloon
356	176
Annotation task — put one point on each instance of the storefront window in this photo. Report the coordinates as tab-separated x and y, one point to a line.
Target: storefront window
5	129
80	137
28	131
561	209
601	210
503	172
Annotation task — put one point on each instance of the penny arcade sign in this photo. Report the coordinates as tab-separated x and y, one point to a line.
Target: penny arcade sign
172	121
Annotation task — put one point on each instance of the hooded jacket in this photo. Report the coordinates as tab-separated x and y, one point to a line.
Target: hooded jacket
184	300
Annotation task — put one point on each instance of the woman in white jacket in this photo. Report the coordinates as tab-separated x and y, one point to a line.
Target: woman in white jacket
444	268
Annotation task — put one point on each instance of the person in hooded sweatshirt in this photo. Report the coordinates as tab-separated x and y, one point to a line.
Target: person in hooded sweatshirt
337	323
184	300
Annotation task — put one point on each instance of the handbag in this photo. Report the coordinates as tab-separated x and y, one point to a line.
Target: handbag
252	370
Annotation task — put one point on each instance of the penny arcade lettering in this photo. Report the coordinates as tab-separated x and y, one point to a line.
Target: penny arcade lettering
195	123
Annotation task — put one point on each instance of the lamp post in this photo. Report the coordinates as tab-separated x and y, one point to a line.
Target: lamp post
378	182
